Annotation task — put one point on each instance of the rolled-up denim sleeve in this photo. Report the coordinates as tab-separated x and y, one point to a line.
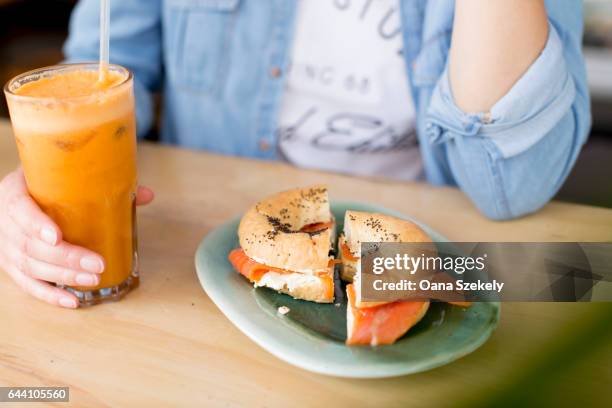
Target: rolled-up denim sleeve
512	160
135	43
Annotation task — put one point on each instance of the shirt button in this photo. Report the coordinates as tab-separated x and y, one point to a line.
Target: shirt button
275	72
434	132
486	118
264	145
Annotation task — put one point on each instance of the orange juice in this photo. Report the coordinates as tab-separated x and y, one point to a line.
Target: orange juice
77	143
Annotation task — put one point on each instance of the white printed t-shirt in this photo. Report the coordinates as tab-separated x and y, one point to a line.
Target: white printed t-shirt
347	105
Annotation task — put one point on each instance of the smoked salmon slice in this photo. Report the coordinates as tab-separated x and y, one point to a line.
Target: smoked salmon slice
254	271
316	227
347	254
382	324
247	267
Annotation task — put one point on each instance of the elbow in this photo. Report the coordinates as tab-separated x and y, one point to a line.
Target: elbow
519	205
505	188
500	196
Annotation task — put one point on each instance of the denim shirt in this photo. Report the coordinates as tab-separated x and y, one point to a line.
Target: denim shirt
220	65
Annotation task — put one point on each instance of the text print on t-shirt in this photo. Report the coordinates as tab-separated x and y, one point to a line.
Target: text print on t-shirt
347	88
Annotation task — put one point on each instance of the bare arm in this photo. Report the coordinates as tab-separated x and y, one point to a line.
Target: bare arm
494	42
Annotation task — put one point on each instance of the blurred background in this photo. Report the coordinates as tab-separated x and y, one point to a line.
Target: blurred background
33	39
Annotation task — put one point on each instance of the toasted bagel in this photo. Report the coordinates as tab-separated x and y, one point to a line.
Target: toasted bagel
270	232
315	288
372	227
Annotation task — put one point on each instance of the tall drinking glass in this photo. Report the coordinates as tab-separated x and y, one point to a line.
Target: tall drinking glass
77	144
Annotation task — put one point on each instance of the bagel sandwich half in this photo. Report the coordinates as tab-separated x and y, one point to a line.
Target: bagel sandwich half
376	323
286	242
372	227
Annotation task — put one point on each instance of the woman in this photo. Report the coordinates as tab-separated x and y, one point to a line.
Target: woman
488	95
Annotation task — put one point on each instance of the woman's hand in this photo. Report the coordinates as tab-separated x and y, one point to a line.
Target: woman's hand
33	253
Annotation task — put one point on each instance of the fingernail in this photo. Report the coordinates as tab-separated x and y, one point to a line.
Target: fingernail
85	279
68	302
48	235
91	264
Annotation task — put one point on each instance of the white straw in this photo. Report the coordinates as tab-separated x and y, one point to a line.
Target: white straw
104	37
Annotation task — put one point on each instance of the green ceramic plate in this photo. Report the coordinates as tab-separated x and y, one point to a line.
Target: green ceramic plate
311	336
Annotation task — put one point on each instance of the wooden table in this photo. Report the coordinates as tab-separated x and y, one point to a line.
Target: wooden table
167	343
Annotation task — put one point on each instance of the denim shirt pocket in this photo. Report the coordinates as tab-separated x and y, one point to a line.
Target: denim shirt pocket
197	42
